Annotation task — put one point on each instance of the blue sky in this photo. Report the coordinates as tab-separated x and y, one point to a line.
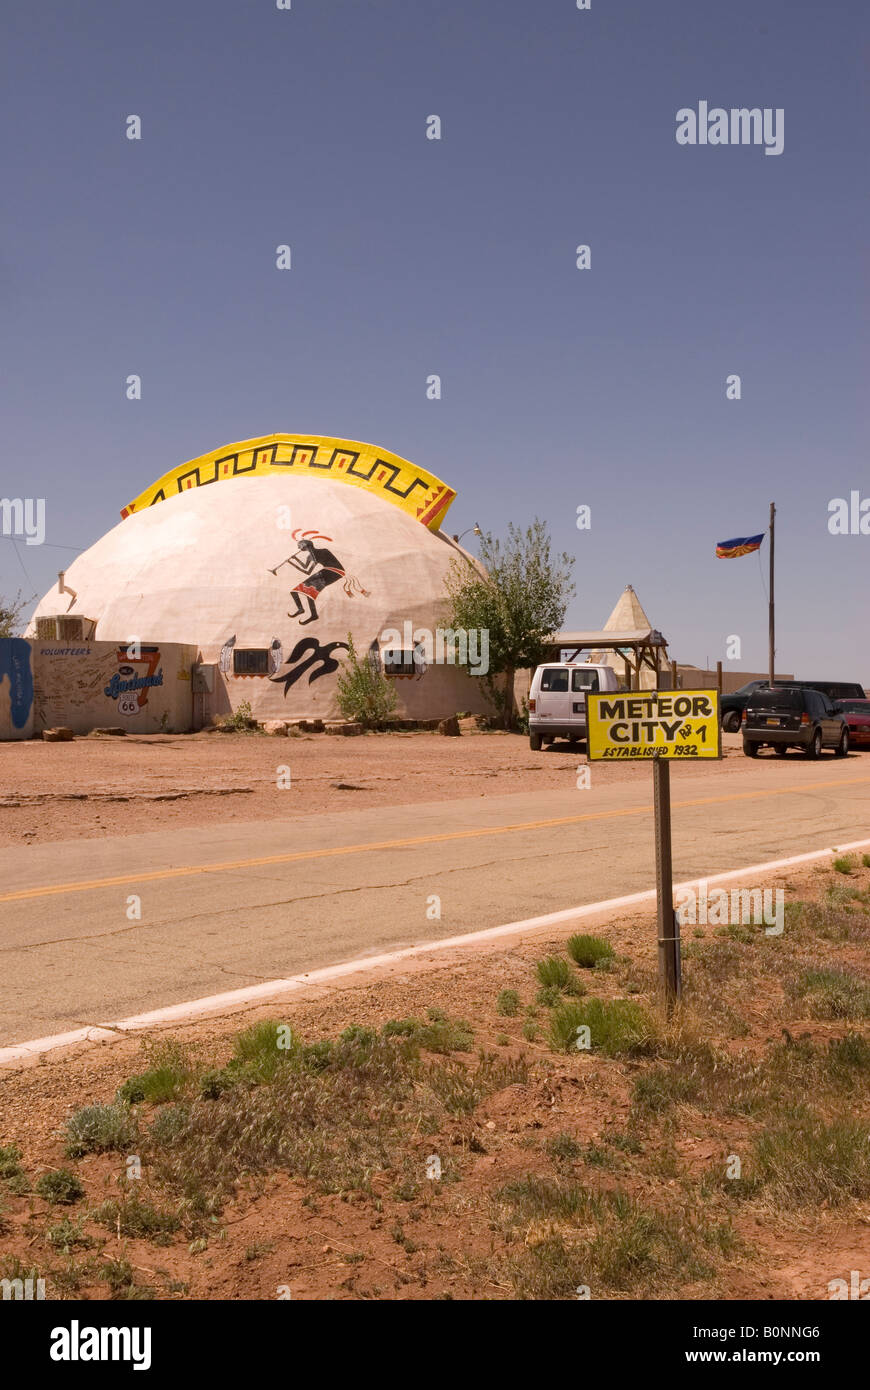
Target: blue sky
561	387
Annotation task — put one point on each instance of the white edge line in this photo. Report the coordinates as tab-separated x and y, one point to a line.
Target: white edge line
215	1003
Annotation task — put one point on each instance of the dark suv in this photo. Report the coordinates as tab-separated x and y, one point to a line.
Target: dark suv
732	706
835	690
793	716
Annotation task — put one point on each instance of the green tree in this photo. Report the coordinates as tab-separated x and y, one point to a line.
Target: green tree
365	695
10	614
519	596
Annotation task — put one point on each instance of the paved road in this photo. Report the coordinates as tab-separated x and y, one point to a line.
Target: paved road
228	906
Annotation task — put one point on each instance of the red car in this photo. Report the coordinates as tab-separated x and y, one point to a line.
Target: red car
857	714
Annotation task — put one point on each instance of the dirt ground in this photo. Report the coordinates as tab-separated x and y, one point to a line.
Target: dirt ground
97	786
572	1118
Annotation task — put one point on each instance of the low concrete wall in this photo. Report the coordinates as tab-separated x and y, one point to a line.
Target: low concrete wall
88	685
695	677
440	691
16	688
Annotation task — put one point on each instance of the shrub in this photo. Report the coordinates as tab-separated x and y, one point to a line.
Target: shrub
317	1056
618	1027
553	972
262	1049
439	1035
215	1082
169	1071
98	1129
508	1003
364	694
66	1235
10	1166
589	950
156	1087
852	1051
169	1125
60	1186
241	720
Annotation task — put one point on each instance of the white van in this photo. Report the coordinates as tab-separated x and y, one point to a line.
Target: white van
557	699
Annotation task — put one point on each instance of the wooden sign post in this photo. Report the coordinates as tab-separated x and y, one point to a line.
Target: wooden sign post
663	726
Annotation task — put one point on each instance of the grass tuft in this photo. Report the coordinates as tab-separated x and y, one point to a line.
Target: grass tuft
832	993
808	1161
138	1218
617	1027
587	951
508	1003
554	972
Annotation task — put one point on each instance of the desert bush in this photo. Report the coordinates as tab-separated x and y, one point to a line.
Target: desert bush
589	950
98	1129
60	1186
508	1003
616	1027
364	694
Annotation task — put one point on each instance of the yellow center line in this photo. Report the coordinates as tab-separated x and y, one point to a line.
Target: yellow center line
227	866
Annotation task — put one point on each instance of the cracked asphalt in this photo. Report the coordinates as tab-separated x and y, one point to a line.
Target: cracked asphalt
221	906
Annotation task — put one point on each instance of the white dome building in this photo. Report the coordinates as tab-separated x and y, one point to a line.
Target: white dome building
264	556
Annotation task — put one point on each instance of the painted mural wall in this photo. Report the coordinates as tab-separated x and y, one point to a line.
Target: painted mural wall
88	685
304	685
16	688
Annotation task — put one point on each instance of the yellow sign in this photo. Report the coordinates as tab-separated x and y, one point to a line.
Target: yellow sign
635	724
418	493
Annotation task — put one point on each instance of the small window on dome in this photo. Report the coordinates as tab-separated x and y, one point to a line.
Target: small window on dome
399	663
251	661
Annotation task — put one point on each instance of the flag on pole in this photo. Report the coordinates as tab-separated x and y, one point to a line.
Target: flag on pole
741	545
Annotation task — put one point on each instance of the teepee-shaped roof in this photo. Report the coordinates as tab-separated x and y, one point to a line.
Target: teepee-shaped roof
628	614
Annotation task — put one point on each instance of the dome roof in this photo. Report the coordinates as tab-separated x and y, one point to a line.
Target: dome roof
215	563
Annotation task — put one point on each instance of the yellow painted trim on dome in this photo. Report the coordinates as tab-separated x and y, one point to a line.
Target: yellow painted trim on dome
418	493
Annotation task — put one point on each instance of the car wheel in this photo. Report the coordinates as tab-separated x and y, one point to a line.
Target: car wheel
814	747
731	722
843	745
750	749
781	749
535	742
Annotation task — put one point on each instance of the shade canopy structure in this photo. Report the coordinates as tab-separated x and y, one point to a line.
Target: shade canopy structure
641	653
